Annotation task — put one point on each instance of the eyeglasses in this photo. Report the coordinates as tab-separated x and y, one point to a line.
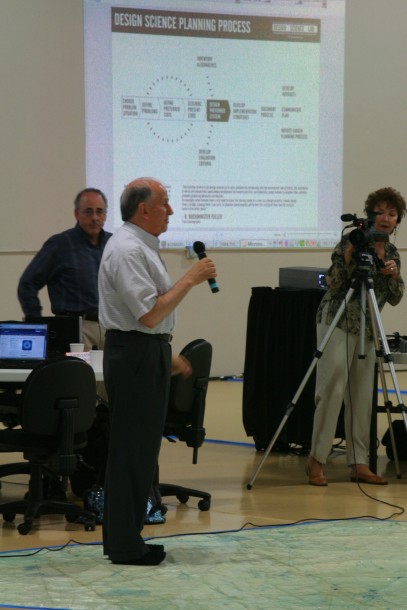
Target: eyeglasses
90	212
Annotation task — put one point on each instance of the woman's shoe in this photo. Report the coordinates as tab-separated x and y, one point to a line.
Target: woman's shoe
370	479
318	480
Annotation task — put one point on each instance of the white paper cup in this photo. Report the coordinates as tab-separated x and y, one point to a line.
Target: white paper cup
96	358
76	347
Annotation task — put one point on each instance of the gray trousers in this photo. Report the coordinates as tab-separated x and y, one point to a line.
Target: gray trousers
343	377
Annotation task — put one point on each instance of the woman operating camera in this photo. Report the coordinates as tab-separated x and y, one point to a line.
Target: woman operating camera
342	376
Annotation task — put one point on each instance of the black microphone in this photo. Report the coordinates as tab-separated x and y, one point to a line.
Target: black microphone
199	249
348	217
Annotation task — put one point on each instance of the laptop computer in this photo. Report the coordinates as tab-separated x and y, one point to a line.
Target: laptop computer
62	330
22	345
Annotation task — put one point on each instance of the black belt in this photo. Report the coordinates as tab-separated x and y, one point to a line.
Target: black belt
91	315
160	336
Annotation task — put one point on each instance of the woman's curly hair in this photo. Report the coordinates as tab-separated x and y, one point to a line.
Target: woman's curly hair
387	195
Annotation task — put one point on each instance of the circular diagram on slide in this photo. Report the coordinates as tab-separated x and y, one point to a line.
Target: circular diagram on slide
171	110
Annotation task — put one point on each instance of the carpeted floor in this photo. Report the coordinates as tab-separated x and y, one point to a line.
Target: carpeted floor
349	565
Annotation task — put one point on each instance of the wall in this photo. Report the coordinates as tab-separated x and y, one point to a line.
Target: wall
42	156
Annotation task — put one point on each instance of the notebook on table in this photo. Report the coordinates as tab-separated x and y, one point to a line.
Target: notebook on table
22	345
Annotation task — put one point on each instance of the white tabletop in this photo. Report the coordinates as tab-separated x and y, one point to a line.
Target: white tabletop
399	358
20	375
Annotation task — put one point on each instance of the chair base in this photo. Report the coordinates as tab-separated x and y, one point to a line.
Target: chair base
183	494
53	487
7	470
45	496
34	509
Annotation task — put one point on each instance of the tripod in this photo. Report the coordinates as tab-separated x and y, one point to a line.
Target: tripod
364	280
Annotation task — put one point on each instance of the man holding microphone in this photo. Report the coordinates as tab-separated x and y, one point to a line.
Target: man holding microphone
137	302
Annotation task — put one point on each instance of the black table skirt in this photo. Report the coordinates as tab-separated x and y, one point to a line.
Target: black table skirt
280	346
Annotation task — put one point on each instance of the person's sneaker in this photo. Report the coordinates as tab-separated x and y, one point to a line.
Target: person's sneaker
153	514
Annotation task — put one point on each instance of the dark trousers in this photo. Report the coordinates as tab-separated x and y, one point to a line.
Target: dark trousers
137	373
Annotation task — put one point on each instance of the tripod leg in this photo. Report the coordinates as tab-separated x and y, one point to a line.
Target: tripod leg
387	402
270	446
362	322
388	358
291	406
362	354
388	405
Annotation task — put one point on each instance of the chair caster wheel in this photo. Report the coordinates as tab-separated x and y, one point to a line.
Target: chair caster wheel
24	528
70	517
183	498
204	505
90	526
259	444
9	517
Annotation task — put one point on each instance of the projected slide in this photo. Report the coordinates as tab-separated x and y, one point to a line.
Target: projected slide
225	109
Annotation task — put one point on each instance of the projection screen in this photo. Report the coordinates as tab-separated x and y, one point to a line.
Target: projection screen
236	106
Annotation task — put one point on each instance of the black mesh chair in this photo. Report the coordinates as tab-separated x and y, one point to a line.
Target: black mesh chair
56	409
185	417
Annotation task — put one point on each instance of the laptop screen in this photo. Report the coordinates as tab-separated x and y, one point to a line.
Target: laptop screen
21	341
62	330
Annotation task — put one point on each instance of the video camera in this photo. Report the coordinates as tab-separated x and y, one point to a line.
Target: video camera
364	235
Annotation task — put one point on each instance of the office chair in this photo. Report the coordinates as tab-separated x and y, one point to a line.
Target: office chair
185	417
57	408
